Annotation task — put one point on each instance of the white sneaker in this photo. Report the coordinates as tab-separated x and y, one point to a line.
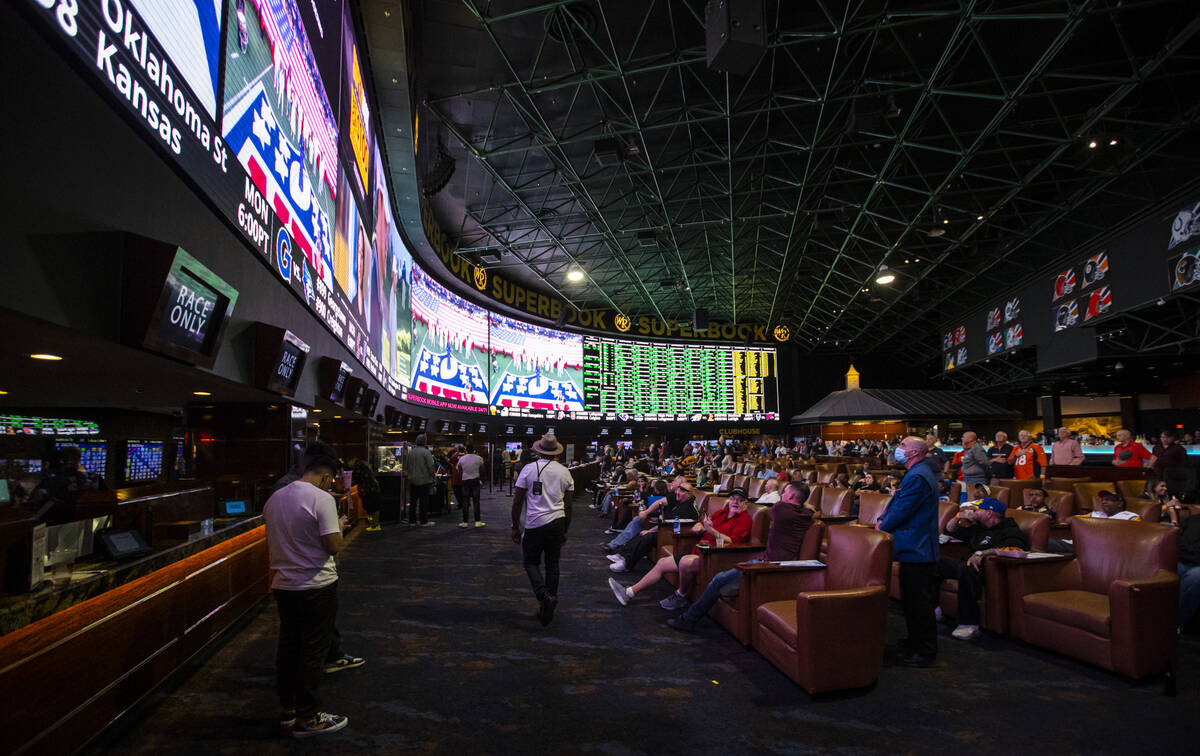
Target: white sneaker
318	724
614	557
618	591
937	614
966	632
618	565
428	524
463	525
480	524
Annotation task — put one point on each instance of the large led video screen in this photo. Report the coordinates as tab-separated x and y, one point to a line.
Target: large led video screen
450	343
534	370
663	381
265	107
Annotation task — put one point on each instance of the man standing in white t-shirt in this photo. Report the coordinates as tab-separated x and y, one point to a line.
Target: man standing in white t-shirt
303	533
470	465
544	490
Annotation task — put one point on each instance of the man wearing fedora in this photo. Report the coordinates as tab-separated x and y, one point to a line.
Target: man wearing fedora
543	489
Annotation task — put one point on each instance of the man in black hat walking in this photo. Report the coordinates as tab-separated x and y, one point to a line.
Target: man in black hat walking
544	490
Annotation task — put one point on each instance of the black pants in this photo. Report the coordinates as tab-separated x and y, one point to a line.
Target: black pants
305	639
547	542
970	587
638	547
468	495
418	502
918	594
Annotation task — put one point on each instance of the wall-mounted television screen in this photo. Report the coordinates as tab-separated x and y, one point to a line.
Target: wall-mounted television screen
143	460
513	447
627	432
288	364
510	430
481	428
408	422
462	428
193	307
94	454
604	433
528	430
624	444
422	423
444	426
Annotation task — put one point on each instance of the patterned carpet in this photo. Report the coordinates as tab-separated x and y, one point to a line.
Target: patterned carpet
457	664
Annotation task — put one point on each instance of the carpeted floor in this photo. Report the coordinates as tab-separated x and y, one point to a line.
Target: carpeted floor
457	664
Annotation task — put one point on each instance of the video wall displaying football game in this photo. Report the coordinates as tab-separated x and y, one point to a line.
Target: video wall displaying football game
264	105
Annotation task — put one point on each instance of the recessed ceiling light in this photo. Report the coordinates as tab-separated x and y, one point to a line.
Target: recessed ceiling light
1092	145
946	221
574	275
317	410
936	232
979	217
5	393
201	393
1112	143
337	417
49	357
885	276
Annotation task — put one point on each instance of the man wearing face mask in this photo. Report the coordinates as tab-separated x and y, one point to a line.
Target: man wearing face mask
911	518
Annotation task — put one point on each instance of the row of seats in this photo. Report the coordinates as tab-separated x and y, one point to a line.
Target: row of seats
1113	603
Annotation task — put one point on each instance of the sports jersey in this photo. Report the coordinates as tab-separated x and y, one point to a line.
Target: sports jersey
1027	461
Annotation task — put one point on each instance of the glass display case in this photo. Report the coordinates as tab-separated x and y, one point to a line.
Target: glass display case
390	457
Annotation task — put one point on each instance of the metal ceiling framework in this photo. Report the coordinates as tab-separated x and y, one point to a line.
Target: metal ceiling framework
946	140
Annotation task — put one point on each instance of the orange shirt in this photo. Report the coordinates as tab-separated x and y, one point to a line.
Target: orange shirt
1027	461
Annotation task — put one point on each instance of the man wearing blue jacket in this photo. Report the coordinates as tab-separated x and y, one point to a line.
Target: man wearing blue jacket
911	518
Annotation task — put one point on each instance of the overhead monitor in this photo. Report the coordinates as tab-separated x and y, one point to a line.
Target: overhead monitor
93	454
143	460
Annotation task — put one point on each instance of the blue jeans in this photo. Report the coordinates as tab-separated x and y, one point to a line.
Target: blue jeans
1189	592
606	502
635	526
711	595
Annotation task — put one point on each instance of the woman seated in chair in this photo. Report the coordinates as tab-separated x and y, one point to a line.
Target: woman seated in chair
728	526
868	483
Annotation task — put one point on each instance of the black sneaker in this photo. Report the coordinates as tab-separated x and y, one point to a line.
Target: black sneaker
287	718
682	624
546	613
318	724
916	660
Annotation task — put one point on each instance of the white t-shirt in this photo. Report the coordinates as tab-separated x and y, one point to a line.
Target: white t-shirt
297	515
769	498
556	483
1124	514
470	464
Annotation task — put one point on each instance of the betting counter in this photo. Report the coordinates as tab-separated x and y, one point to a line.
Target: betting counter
95	636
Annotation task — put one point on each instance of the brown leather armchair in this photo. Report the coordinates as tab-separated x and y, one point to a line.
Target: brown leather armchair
836	502
1061	502
871	505
1018	486
825	628
736	614
754	488
815	495
1114	605
827	471
1062	484
670	544
1087	498
995	588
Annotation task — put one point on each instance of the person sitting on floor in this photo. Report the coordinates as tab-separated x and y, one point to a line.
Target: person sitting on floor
984	530
791	517
729	525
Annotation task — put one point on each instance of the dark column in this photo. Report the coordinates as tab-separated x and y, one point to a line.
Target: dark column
1129	413
1051	415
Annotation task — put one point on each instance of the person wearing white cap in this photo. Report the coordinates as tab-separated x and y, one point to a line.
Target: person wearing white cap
543	490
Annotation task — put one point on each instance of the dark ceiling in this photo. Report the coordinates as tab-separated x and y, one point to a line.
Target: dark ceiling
947	140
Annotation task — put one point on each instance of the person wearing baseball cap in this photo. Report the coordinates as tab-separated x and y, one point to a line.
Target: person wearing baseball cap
730	524
1110	505
543	490
984	529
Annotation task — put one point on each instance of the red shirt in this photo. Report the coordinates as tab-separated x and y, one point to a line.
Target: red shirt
736	527
1139	453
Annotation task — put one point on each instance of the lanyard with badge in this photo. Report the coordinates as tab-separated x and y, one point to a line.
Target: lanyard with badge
536	488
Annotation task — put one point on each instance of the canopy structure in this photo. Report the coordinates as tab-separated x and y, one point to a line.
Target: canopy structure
882	405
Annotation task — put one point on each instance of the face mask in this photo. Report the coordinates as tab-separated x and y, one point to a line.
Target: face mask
901	455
